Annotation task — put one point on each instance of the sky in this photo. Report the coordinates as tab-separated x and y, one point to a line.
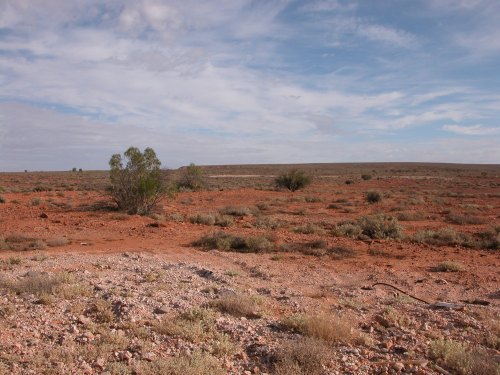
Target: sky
241	81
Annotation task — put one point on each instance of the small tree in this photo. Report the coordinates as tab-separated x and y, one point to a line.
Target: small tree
293	180
192	178
137	186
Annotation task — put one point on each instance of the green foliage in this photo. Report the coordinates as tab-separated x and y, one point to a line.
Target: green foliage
293	180
366	177
192	178
136	181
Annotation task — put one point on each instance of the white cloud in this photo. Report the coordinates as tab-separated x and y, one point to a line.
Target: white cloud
472	130
386	34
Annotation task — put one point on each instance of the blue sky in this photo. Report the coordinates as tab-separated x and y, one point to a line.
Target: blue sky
228	81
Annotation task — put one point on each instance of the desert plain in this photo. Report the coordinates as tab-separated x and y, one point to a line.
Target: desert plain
244	278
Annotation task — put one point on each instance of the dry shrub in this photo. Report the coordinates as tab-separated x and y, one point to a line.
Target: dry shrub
101	311
309	228
293	180
212	219
341	252
440	237
21	242
228	242
449	266
37	283
462	359
324	327
456	218
306	356
59	241
266	222
198	363
410	216
380	227
239	305
235	211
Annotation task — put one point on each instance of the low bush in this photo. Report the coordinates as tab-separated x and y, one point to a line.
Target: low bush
373	196
462	359
228	242
212	219
266	222
440	237
304	356
366	177
455	218
192	178
309	228
293	180
329	328
380	227
449	266
235	211
2	199
239	305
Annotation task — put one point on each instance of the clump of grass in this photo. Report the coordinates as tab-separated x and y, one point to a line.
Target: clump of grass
309	228
328	328
37	283
311	199
235	211
347	229
366	177
306	356
197	363
315	248
194	325
266	222
341	252
455	218
2	199
36	201
449	266
463	360
212	219
239	305
410	216
120	216
380	227
440	237
21	242
293	180
177	217
373	196
59	241
101	311
228	242
204	219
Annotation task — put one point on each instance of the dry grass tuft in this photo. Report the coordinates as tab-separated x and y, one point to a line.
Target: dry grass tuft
324	327
240	305
306	356
449	266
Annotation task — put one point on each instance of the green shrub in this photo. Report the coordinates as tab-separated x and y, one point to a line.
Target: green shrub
380	226
2	199
191	178
366	177
137	186
373	196
293	180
